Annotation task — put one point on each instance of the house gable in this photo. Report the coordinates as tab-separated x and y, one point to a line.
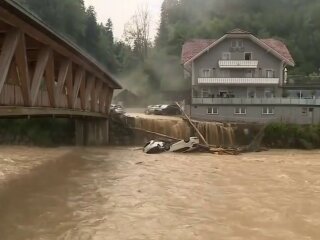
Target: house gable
210	59
195	48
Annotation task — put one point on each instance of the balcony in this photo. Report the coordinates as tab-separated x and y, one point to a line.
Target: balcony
243	64
239	81
257	101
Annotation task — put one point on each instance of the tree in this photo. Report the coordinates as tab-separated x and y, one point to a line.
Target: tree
163	32
91	31
137	32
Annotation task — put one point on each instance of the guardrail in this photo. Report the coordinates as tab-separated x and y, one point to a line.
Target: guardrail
257	101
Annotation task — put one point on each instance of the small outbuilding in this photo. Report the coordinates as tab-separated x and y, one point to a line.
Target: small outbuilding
127	98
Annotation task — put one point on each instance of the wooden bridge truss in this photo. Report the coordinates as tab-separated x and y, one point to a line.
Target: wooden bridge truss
44	73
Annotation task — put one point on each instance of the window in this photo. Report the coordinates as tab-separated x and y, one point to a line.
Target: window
240	110
249	73
237	43
206	73
234	43
223	93
270	73
240	43
213	72
247	56
226	56
213	111
304	111
268	93
205	93
251	92
268	110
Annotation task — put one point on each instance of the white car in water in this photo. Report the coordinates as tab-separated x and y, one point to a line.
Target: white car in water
155	146
185	145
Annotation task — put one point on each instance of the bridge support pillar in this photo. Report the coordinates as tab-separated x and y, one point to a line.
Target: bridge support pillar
93	132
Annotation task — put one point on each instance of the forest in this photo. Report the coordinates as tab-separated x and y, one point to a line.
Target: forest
142	64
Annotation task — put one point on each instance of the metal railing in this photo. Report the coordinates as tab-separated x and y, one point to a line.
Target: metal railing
257	101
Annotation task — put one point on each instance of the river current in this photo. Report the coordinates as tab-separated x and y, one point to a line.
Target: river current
121	193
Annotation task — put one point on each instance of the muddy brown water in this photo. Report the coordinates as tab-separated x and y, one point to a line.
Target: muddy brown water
120	193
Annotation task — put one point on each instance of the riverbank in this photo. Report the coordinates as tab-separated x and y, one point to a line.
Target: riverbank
123	130
43	132
268	195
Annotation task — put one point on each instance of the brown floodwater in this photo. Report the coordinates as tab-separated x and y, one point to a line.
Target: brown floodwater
121	193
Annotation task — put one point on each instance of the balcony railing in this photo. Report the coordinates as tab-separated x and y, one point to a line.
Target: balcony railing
239	81
238	64
257	101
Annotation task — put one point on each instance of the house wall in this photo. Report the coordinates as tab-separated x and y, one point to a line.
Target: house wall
286	114
210	59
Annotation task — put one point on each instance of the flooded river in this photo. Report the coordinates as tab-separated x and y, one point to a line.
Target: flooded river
120	193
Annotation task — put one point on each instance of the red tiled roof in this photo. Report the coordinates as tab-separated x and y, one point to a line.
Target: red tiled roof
279	47
192	47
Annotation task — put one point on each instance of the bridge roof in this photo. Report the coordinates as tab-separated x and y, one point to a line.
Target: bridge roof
16	9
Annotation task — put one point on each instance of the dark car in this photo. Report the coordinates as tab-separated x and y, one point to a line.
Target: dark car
171	109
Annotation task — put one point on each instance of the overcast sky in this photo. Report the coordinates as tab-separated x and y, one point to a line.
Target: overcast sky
120	11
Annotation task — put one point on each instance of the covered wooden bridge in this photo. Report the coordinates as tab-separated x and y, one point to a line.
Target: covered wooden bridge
43	73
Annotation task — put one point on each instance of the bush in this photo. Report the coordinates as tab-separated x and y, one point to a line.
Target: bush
281	135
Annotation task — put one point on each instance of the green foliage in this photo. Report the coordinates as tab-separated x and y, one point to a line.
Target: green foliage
295	22
292	136
41	132
72	19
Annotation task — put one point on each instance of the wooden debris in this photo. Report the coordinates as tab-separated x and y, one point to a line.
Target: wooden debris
193	126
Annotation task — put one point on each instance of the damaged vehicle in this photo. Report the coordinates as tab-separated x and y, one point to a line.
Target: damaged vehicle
185	145
157	146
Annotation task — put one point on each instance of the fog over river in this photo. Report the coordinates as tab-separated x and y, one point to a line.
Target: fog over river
121	193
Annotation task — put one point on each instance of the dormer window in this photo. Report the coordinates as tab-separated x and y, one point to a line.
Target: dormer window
237	43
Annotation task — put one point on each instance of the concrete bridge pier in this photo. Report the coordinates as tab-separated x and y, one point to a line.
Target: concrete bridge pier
91	132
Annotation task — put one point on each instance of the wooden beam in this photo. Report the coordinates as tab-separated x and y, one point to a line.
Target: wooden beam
83	93
63	72
56	44
23	70
96	94
7	52
80	74
50	79
109	99
89	89
69	87
41	65
13	77
102	100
